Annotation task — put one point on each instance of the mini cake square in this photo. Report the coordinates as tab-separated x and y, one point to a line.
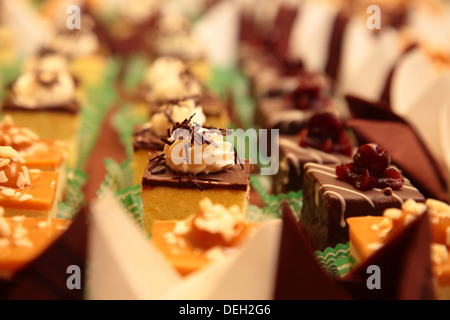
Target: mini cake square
23	191
202	238
328	201
197	163
22	239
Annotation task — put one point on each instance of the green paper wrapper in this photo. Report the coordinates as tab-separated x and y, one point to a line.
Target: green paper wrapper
119	180
74	197
99	100
336	262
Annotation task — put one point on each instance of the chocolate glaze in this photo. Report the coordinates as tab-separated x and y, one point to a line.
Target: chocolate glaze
234	178
290	178
144	139
72	107
328	201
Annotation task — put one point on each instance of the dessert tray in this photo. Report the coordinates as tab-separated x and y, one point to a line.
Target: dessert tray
224	150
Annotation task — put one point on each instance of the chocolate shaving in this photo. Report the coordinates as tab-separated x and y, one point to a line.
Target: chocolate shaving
159	170
237	159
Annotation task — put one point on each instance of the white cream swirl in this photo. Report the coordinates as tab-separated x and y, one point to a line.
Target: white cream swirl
45	88
194	158
169	79
169	114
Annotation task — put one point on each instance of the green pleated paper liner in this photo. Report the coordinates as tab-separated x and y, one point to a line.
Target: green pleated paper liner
337	261
133	72
273	203
99	99
119	181
73	194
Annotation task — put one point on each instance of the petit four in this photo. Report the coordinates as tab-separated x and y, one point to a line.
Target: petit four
323	141
22	239
197	163
368	234
367	186
27	192
207	236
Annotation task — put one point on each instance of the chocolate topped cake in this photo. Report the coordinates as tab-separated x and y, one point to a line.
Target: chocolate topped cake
197	163
329	200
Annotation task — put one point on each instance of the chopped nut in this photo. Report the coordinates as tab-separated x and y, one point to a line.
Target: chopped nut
42	224
438	207
8	192
25	197
23	243
383	223
439	253
413	207
181	228
19	232
18	218
170	238
214	254
393	213
3	177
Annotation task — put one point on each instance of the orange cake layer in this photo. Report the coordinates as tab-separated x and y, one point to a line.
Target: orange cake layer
47	155
28	238
184	254
38	198
369	233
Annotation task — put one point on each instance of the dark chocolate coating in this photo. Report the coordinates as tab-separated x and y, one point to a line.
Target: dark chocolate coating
72	107
290	178
233	178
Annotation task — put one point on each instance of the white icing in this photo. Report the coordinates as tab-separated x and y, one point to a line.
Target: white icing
217	219
168	80
351	191
159	122
30	93
343	206
183	157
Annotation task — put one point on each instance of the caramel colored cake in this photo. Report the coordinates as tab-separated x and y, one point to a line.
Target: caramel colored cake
22	239
45	102
369	233
207	168
23	191
202	238
46	155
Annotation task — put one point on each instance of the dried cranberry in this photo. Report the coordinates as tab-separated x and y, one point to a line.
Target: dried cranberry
371	169
372	157
325	132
